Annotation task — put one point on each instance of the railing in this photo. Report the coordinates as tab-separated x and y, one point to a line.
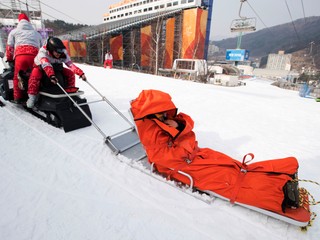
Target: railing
107	28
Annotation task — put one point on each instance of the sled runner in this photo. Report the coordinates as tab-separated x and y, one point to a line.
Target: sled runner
300	216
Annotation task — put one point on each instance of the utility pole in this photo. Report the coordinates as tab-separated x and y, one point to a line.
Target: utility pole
310	53
311	44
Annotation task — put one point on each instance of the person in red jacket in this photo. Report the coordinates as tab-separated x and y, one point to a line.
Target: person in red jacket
171	145
22	46
108	60
53	52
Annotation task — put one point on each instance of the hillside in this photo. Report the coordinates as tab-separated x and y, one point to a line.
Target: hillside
290	37
61	27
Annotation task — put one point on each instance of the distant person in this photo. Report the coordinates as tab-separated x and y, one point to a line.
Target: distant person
108	60
53	53
22	46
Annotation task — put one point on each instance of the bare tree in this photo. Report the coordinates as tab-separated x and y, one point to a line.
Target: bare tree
156	43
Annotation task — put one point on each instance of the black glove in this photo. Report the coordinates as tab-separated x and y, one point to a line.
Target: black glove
84	78
54	79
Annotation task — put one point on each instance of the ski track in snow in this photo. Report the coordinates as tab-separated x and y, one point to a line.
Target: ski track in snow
65	151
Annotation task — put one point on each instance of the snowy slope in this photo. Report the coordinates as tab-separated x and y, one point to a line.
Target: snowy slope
57	185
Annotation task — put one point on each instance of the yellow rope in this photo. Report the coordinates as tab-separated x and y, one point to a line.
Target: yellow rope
304	201
313	202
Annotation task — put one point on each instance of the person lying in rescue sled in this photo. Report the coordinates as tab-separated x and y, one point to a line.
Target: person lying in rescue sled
48	62
171	144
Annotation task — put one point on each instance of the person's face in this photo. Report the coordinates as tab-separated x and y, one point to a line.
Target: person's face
56	54
161	116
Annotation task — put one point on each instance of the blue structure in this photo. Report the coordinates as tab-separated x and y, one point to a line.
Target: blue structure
237	55
209	5
304	90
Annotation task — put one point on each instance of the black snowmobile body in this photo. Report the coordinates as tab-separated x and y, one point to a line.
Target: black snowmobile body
53	105
6	84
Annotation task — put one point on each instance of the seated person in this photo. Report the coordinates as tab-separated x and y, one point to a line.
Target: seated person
53	52
170	143
22	46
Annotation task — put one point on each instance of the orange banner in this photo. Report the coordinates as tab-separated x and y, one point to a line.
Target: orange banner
75	48
145	46
168	61
194	33
116	47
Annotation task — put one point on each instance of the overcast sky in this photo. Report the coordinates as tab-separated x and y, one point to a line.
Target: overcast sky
268	13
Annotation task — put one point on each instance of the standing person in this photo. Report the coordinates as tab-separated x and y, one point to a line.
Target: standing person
108	60
52	53
22	46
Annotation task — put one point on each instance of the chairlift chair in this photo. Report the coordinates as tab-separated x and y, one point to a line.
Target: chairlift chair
243	25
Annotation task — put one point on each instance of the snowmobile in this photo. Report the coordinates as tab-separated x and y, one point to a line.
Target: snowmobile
63	107
57	105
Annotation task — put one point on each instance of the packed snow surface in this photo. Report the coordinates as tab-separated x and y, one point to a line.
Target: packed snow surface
70	186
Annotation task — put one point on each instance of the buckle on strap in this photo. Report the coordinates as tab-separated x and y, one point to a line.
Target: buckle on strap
188	161
240	177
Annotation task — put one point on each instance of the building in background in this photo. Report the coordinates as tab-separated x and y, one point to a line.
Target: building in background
280	61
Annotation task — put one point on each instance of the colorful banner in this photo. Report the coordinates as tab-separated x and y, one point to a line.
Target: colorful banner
116	47
194	33
168	60
145	46
75	49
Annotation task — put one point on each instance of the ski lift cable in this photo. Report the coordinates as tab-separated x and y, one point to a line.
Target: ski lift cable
259	18
52	9
2	4
61	12
36	9
304	14
257	15
294	27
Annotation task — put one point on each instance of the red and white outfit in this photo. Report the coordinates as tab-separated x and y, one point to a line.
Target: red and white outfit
43	62
22	46
108	59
